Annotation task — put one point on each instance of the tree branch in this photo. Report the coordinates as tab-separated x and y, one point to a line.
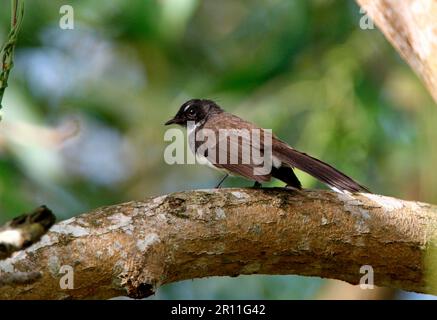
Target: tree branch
411	27
135	247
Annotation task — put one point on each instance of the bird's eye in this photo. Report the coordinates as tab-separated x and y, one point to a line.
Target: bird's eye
192	112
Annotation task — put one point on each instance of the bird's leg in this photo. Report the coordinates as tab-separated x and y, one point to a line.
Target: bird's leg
221	181
257	185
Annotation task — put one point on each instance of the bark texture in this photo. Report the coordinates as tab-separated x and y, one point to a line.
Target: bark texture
135	247
411	27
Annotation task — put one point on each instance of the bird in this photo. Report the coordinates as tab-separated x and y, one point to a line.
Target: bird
202	114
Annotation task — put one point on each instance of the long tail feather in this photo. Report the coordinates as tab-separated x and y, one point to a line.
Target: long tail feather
318	169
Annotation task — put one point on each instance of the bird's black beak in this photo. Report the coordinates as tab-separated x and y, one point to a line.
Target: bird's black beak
171	121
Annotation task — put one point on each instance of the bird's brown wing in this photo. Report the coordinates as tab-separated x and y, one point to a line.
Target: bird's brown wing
240	140
282	151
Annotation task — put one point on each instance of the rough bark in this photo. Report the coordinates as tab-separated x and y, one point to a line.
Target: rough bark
411	27
135	247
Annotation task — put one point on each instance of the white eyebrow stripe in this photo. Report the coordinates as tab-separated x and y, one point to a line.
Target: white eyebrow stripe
186	108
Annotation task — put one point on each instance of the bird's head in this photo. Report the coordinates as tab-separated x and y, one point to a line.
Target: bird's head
197	110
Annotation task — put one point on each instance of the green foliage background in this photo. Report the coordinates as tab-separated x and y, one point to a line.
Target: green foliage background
303	68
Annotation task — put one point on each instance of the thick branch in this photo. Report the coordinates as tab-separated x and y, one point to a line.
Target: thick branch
411	26
134	248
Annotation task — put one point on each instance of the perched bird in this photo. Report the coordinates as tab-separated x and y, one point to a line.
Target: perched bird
202	114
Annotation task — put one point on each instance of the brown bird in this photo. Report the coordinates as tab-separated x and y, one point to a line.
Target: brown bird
202	115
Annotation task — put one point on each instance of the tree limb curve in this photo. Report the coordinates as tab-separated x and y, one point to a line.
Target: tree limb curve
135	247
